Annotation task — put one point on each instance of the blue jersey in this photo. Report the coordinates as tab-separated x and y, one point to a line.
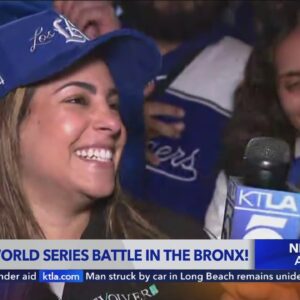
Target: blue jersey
185	177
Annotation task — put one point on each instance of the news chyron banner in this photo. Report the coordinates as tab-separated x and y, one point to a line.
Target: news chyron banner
150	261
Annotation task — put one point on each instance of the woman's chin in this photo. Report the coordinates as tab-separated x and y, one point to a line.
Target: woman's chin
98	194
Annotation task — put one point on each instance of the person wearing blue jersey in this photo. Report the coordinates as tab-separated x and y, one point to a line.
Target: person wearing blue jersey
192	98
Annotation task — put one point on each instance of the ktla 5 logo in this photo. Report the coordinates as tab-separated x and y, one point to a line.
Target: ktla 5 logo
271	213
264	227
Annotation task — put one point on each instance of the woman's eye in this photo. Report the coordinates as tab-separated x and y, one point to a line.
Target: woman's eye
292	86
77	100
114	104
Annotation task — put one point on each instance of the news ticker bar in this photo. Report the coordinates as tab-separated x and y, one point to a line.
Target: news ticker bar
148	276
150	255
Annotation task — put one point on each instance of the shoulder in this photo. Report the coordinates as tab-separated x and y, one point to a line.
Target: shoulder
214	74
174	225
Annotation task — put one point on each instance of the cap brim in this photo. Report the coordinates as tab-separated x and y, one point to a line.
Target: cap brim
133	59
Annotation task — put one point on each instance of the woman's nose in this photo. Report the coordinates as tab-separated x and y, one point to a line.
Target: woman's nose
107	120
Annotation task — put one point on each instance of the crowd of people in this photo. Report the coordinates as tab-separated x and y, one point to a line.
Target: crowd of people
126	119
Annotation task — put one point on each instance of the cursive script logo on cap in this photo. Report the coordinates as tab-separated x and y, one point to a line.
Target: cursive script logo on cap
63	27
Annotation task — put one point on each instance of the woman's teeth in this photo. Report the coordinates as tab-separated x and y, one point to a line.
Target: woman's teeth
95	154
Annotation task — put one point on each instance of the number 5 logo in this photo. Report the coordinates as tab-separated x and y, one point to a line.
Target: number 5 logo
264	227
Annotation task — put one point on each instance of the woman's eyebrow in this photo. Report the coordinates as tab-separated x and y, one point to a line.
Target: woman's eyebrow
87	86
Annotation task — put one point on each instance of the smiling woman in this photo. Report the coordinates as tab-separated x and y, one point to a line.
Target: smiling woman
80	140
61	141
62	135
267	102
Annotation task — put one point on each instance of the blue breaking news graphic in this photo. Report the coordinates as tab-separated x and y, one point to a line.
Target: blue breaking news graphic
277	255
148	276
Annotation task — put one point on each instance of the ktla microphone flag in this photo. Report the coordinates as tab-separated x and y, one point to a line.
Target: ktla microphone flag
150	260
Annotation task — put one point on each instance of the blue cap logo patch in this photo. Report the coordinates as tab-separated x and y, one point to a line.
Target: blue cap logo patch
62	26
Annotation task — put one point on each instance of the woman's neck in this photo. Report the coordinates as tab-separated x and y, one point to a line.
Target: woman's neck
60	215
57	226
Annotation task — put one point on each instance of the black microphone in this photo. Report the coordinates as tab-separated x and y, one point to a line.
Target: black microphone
266	163
258	204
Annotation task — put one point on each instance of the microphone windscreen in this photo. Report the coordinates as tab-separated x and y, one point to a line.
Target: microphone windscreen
267	149
266	163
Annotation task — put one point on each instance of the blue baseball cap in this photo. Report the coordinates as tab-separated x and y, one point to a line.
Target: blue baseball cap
38	46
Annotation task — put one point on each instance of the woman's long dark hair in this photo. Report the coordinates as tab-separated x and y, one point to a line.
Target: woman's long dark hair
257	108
